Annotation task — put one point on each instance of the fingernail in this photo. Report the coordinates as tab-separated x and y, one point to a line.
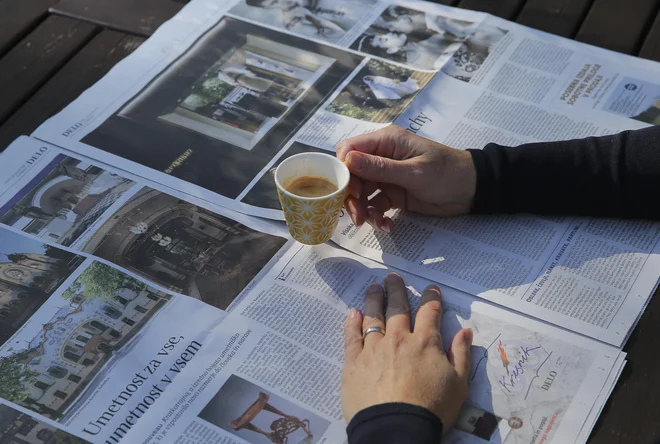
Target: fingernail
373	287
354	312
469	336
436	288
392	278
357	161
387	226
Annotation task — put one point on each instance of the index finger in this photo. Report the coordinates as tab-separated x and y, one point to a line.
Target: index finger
382	143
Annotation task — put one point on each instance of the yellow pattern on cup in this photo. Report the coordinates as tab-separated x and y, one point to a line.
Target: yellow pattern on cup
312	222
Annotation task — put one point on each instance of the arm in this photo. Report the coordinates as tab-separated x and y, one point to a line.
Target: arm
612	176
395	423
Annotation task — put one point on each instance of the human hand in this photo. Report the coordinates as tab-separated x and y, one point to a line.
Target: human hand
404	366
411	172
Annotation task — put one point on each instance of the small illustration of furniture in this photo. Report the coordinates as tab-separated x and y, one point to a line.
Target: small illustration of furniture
281	428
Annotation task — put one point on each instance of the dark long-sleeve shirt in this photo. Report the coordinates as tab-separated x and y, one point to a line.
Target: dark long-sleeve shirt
613	176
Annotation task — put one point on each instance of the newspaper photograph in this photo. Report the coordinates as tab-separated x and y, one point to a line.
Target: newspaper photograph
167	240
234	98
20	427
330	21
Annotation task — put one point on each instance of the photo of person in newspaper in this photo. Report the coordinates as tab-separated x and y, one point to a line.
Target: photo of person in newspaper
183	247
30	272
328	20
63	200
413	38
259	417
50	365
240	99
219	113
21	428
468	59
379	92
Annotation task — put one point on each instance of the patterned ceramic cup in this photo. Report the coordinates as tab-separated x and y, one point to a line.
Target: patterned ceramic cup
312	220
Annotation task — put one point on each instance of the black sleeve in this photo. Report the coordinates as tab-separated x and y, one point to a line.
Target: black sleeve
394	423
614	176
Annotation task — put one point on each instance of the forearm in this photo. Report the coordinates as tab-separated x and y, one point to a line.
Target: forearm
615	176
394	423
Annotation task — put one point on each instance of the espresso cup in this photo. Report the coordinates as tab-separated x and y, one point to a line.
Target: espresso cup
312	220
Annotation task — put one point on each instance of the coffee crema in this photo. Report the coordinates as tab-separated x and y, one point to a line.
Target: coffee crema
308	186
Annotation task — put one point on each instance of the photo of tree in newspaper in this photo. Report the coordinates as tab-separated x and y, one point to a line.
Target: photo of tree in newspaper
468	59
327	20
254	414
17	427
30	272
637	99
264	193
221	111
379	92
52	363
63	200
183	247
414	38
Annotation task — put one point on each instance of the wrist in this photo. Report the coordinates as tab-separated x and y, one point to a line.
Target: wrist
463	176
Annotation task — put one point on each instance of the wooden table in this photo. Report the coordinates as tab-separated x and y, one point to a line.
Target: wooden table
52	50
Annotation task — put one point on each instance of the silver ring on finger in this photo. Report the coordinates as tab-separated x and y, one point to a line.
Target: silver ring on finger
373	330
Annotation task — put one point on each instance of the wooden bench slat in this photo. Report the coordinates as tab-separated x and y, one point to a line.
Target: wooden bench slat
507	9
651	48
37	57
559	17
139	17
19	17
81	72
618	25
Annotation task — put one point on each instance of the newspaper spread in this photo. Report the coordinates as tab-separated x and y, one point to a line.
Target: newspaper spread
112	326
200	116
222	93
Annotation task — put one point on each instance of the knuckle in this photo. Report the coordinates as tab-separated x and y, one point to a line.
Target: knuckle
395	338
434	306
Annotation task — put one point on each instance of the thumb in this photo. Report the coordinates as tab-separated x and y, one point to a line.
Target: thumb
380	169
459	353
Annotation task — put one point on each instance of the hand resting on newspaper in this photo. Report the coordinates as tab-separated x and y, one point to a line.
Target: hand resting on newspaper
607	176
411	172
397	379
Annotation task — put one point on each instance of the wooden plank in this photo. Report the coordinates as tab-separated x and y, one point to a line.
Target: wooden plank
618	25
560	17
18	18
631	414
651	48
80	73
507	9
139	17
37	57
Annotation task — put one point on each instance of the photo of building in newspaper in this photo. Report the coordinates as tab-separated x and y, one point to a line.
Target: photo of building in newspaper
466	62
183	247
30	272
63	200
259	417
220	112
17	427
49	368
414	38
379	92
327	20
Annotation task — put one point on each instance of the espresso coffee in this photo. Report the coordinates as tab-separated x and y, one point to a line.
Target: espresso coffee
308	186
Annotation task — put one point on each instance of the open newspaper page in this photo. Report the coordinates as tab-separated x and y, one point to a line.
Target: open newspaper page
281	352
225	90
110	354
593	276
